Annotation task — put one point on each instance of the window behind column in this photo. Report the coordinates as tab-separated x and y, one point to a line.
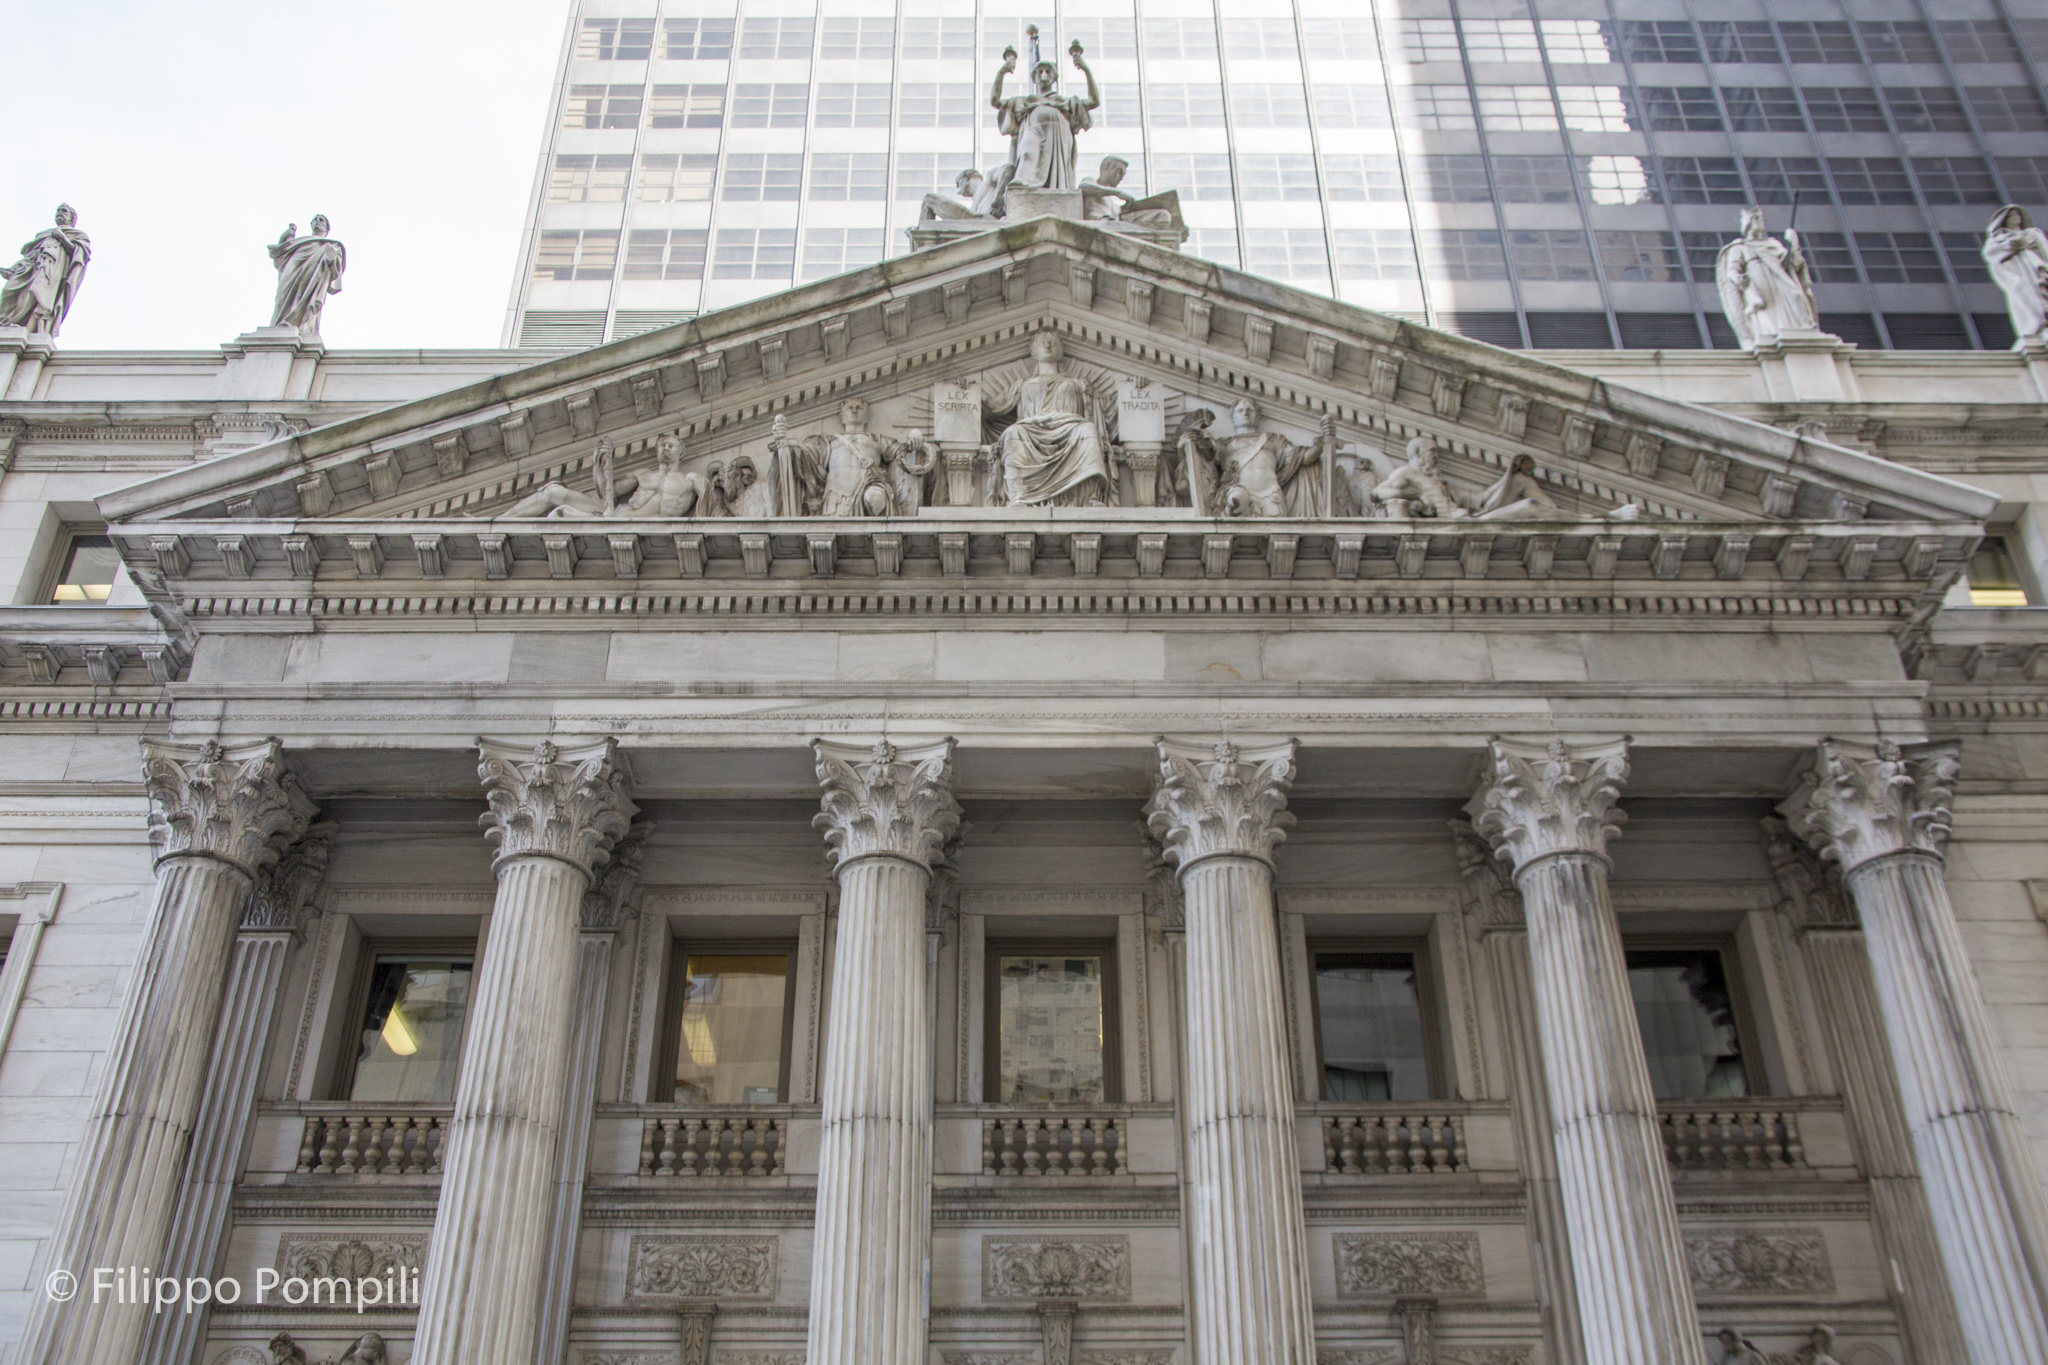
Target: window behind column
1688	1014
87	563
1050	1030
1372	1034
412	1006
729	1016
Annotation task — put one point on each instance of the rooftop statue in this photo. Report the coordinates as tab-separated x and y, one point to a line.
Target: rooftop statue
1766	289
1041	125
1101	199
41	286
2017	254
308	270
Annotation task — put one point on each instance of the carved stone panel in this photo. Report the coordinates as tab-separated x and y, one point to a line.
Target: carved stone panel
1437	1264
688	1267
1747	1261
1140	410
1365	1355
956	413
990	1357
760	1358
627	1358
1128	1358
312	1258
1055	1268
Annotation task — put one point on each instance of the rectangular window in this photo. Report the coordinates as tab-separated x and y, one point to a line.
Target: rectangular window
783	105
2008	109
1703	248
919	173
589	179
1532	179
1900	258
755	177
1897	41
936	105
1659	40
576	255
655	254
1619	180
1501	40
1296	254
1258	39
751	254
687	106
1200	175
1926	109
675	179
1966	263
696	40
1844	109
1179	38
85	570
848	105
1448	178
1352	106
1218	244
1870	179
1994	576
408	1042
1120	108
1051	1024
1595	108
864	40
1583	41
615	40
603	106
2026	177
1375	254
1112	38
1426	40
1640	257
1977	40
1687	1016
1829	257
1703	180
1763	109
1516	108
1462	254
1350	40
1371	179
1370	1031
1777	178
729	1012
1551	255
834	251
1438	107
1740	42
1284	177
1187	106
1821	43
842	177
1269	106
938	39
776	39
1680	108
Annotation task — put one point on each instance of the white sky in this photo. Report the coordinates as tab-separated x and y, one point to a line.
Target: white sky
187	133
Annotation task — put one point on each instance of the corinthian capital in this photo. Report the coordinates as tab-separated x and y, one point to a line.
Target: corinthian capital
550	802
283	898
1856	802
1534	802
238	803
1220	800
886	802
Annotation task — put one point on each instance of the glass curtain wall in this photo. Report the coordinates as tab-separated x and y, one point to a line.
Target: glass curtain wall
1555	175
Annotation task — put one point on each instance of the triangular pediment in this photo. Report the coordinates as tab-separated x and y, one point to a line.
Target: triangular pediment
1173	329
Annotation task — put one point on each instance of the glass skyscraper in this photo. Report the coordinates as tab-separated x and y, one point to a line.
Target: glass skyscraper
1558	175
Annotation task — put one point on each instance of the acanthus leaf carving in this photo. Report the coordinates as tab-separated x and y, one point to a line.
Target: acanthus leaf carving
317	1258
1751	1261
285	890
1534	802
882	801
1403	1264
695	1267
1488	895
1858	802
1809	892
1079	1268
1220	800
569	804
605	903
238	803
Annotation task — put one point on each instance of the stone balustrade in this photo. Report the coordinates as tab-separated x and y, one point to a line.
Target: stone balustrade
353	1140
1066	1144
708	1142
1389	1140
1698	1137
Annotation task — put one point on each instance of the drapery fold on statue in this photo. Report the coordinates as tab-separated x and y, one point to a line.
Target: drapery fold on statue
1053	449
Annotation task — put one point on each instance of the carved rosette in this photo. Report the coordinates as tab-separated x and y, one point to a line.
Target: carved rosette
1534	803
283	897
551	802
886	802
1856	802
605	902
1221	800
238	803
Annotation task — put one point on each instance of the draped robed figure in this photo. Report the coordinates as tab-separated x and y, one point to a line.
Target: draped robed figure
308	270
40	287
1055	453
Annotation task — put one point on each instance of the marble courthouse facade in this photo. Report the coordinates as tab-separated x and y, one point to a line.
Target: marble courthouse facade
1041	801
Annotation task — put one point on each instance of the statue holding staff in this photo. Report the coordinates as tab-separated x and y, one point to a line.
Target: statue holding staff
1041	125
2016	253
1766	288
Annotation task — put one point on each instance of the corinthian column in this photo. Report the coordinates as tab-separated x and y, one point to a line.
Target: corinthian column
1550	813
218	816
888	815
1218	813
554	816
1883	813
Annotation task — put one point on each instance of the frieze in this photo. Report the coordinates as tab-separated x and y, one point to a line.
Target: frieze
627	1358
688	1267
1055	1268
1165	1357
1367	1355
1438	1264
1726	1261
352	1259
760	1358
990	1357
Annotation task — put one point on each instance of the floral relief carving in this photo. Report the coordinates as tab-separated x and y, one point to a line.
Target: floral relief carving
1369	1355
886	801
1746	1261
626	1358
1128	1358
1056	1268
559	803
990	1357
238	803
760	1358
1492	1355
669	1267
1857	802
284	892
351	1259
1220	800
1534	802
605	903
1439	1264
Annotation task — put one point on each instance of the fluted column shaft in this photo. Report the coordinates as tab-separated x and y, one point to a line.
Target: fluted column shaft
1251	1296
874	1158
1628	1260
219	815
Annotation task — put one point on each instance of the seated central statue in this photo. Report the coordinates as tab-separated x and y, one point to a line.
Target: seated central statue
1053	454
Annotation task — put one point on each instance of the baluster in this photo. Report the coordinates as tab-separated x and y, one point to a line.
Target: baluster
1098	1160
391	1144
402	1156
309	1145
1034	1147
658	1147
1460	1159
437	1135
757	1164
1727	1144
1060	1141
1013	1142
1067	1146
781	1131
1752	1141
732	1139
686	1138
1795	1151
988	1146
650	1129
1339	1146
351	1146
1330	1141
1686	1146
1414	1152
1439	1144
1373	1145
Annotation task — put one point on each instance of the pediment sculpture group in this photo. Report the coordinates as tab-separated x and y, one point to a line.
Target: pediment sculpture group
1045	433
